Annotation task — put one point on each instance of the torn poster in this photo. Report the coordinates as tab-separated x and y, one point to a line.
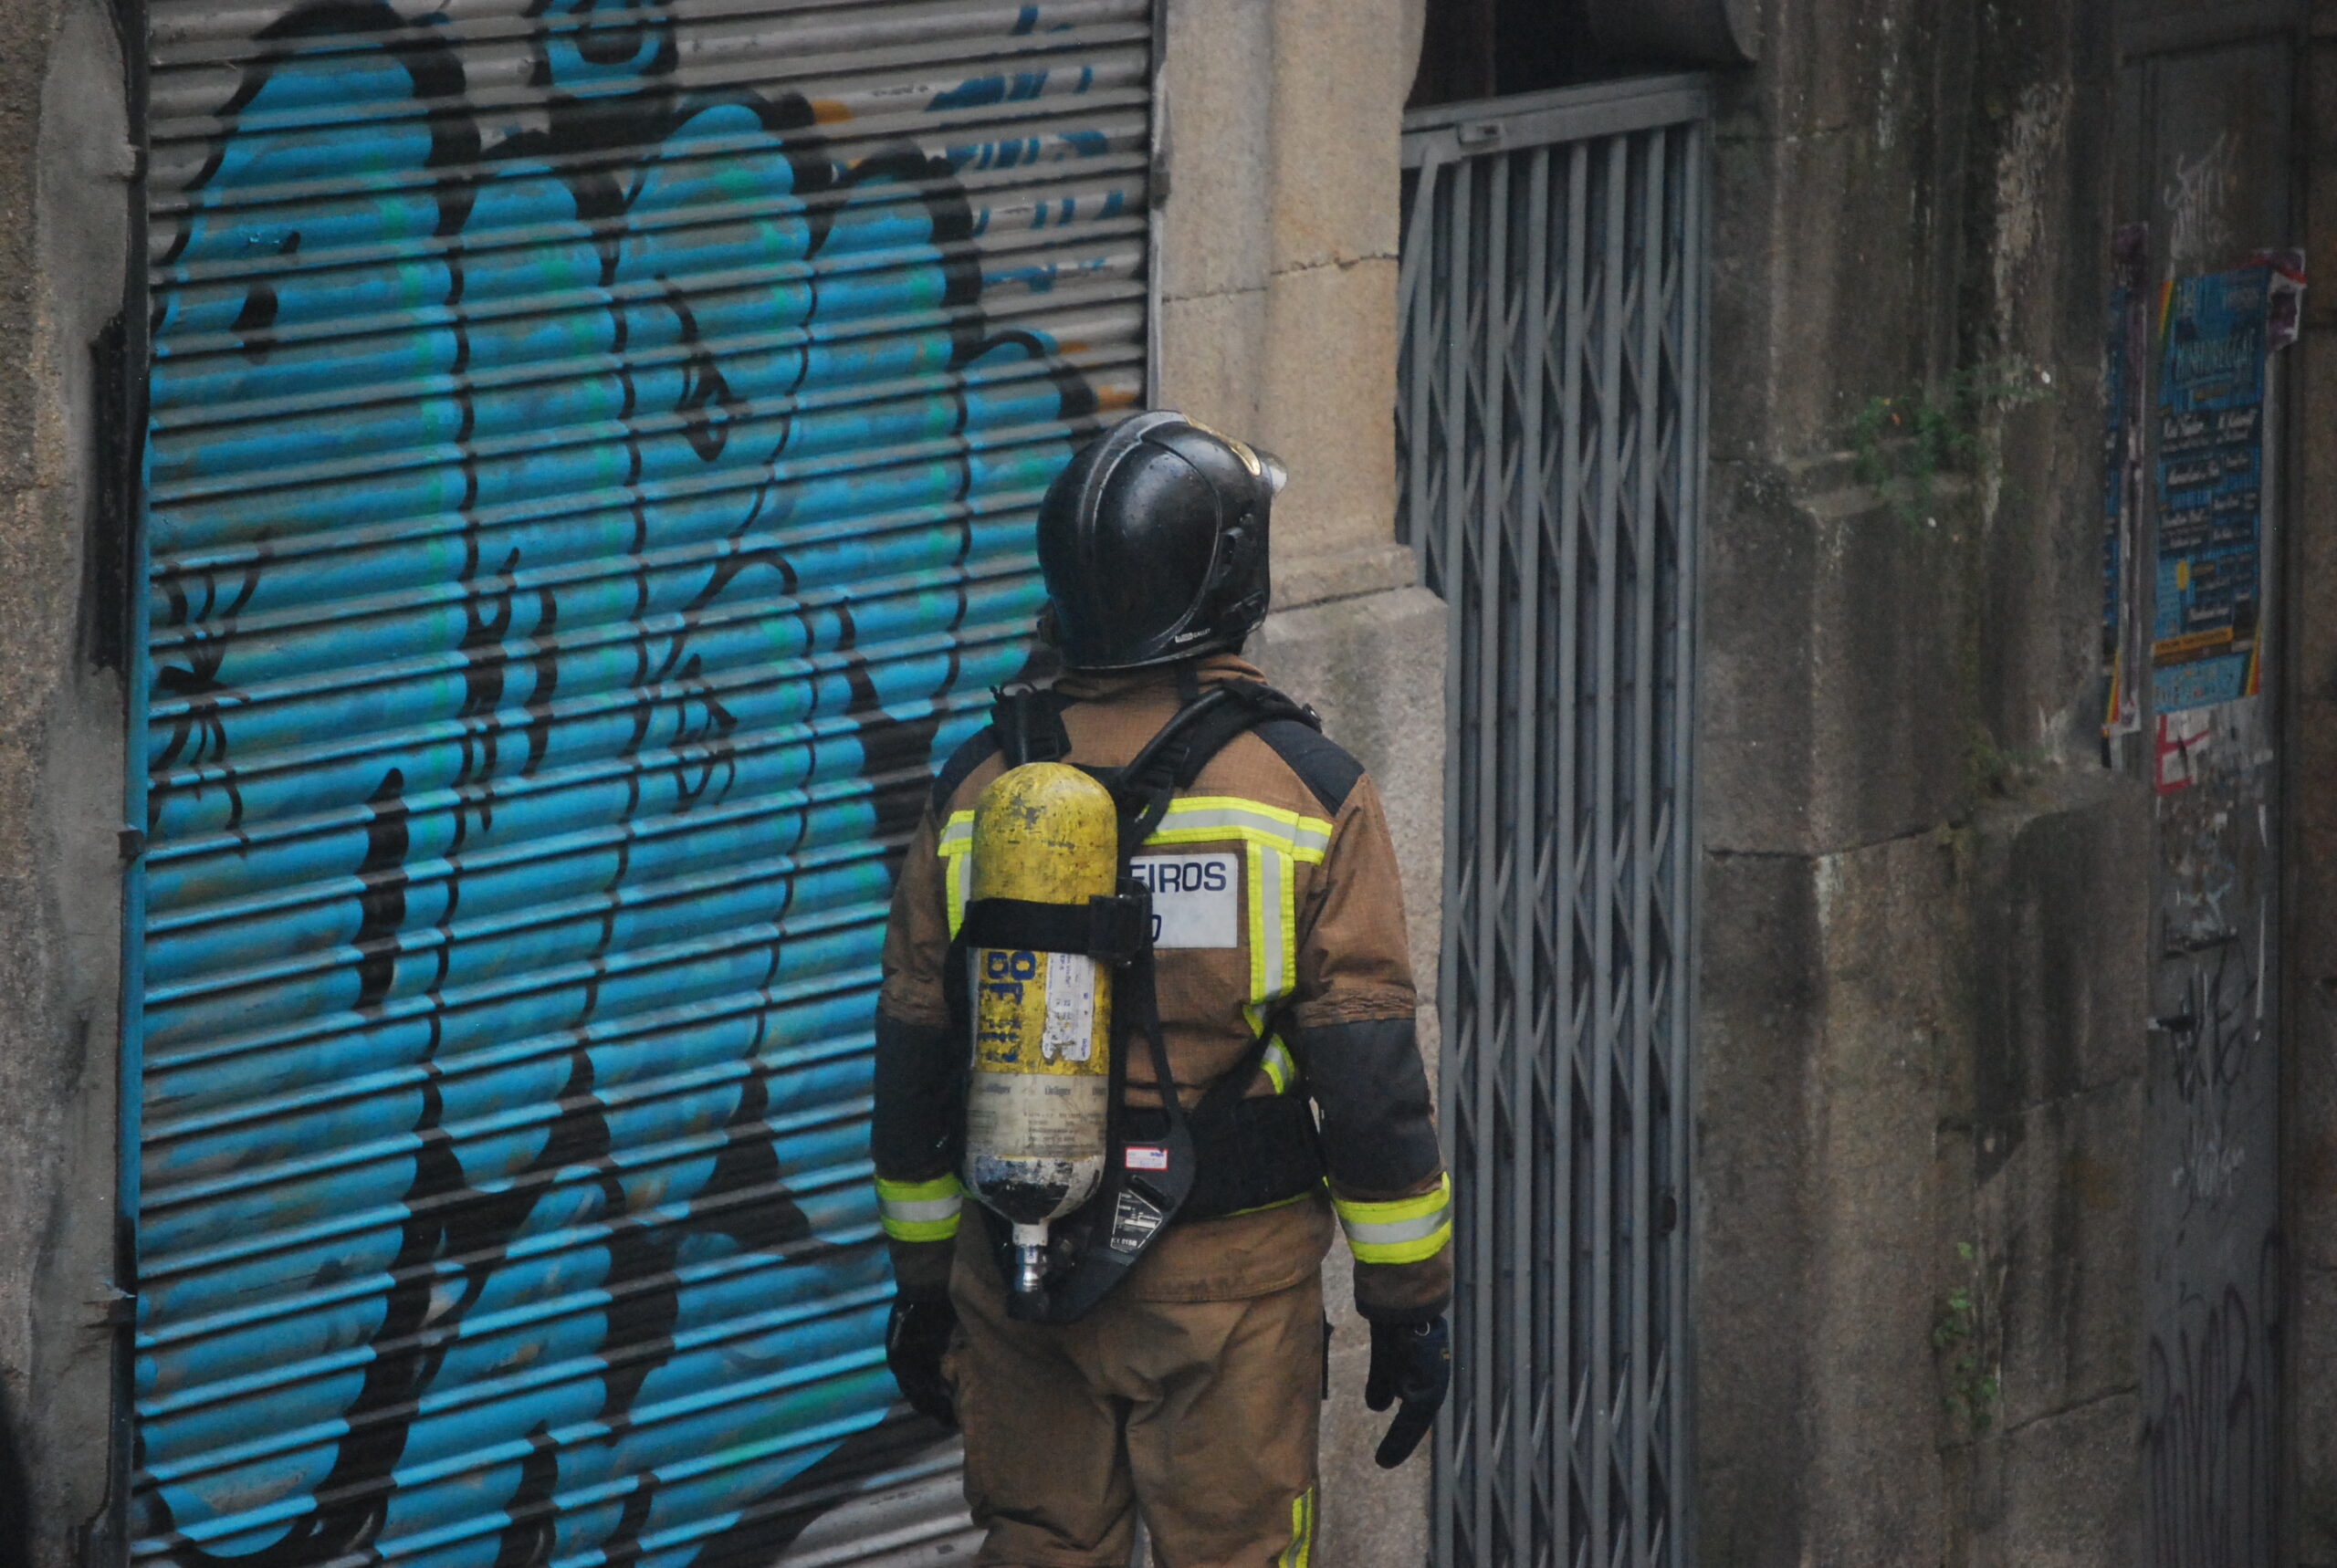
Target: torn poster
2210	571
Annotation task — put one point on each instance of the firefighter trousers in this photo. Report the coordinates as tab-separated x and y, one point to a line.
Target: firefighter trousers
1202	1414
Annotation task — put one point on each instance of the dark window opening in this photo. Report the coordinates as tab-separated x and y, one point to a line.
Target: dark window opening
1490	48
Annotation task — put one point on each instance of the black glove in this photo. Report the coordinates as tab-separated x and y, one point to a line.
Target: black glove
915	1338
1414	1363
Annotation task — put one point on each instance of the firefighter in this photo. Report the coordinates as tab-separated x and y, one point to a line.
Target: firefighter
1184	1382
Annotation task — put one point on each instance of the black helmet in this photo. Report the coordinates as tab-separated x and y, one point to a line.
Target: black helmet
1153	543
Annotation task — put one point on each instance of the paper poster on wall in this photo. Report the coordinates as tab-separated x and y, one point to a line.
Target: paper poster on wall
2205	636
2126	352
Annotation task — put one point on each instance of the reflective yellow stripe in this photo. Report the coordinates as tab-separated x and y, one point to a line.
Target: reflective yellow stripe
1259	858
1274	930
1200	819
1402	1231
956	849
1278	1065
920	1210
1195	819
1301	1531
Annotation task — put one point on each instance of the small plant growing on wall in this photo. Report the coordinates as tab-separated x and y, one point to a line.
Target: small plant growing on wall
1903	445
1970	1385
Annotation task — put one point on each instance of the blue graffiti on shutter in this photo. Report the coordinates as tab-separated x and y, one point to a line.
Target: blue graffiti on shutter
531	739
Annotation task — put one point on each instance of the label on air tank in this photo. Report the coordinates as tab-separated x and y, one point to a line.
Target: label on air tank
1039	1012
1196	899
1040	1116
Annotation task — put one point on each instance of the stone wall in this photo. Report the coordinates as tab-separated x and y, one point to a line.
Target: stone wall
2308	1166
64	223
1925	901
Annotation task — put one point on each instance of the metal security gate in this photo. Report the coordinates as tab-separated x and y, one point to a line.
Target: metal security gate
1550	420
591	456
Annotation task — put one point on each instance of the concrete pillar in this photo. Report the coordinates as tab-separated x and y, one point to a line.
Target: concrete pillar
65	187
1278	323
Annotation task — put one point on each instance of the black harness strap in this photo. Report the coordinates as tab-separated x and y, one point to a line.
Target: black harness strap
1109	929
1026	726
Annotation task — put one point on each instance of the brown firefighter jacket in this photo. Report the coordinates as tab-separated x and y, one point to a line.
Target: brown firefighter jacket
1294	903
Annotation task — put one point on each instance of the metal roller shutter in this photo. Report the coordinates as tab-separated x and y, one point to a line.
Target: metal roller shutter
590	463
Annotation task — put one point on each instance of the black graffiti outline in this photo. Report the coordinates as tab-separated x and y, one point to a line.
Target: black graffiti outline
447	1217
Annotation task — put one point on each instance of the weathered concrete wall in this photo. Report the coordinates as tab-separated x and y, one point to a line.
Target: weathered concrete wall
65	197
2309	1075
1926	903
1278	323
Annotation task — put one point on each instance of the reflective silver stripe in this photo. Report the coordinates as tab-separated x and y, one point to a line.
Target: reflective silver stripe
1273	912
1279	1066
1306	837
1394	1232
923	1210
1399	1232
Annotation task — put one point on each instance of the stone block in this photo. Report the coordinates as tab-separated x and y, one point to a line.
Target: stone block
1342	68
2062	1491
2056	1252
1854	295
1754	1352
1846	63
1741	286
26	32
1210	365
1374	668
1867	300
2309	1081
1216	230
2311	1346
1835	707
2062	930
1327	403
1886	932
1304	580
2314	499
1829	1007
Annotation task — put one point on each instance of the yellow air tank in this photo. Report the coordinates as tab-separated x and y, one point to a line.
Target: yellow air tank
1038	1111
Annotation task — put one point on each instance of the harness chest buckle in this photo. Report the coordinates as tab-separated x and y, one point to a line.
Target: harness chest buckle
1119	926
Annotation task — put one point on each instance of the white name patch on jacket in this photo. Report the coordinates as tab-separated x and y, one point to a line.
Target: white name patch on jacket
1196	899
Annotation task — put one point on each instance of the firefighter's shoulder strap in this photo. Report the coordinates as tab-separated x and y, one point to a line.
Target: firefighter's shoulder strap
1173	758
1026	726
1170	764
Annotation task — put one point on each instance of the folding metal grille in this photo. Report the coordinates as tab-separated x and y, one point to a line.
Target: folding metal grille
1550	420
593	455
